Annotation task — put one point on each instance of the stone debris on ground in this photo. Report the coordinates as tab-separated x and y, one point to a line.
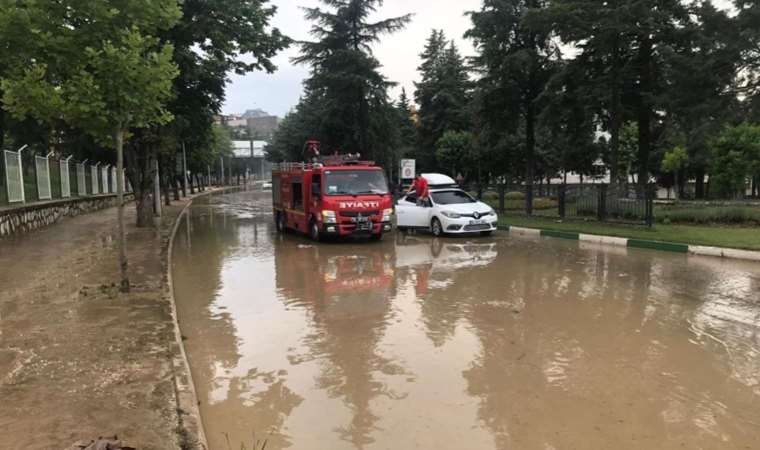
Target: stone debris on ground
102	443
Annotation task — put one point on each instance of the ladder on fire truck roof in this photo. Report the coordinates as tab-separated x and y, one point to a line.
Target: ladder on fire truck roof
319	161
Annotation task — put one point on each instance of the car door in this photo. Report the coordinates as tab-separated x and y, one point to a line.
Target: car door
410	215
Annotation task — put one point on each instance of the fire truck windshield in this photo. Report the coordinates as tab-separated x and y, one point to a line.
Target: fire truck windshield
355	182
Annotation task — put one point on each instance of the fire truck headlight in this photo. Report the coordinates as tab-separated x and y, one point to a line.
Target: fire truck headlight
387	214
329	217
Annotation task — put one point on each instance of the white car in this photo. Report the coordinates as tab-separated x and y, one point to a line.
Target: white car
449	210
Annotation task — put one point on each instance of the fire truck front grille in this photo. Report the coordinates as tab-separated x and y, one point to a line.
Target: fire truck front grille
356	213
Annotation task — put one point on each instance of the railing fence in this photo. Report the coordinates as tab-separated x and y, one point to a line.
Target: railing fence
65	182
81	180
94	175
14	177
42	169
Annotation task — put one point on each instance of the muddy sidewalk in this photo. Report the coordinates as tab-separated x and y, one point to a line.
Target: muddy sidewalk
78	360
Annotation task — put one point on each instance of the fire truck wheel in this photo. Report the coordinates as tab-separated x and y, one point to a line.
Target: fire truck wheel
436	228
314	232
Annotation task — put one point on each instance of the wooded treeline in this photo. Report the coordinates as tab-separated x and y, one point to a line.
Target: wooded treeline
142	77
663	91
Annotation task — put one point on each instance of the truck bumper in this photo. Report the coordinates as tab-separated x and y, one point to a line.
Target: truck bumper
339	230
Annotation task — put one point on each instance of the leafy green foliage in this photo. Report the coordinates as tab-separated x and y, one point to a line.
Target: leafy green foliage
675	159
443	97
345	103
455	152
516	60
736	158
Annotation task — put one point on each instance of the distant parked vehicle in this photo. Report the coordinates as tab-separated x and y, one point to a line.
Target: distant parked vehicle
267	186
448	210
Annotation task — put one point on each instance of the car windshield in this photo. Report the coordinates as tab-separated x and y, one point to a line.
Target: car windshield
355	182
452	198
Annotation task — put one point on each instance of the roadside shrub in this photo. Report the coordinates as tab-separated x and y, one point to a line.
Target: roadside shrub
514	195
490	197
747	215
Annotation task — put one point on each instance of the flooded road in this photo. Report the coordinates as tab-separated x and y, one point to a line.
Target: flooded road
494	343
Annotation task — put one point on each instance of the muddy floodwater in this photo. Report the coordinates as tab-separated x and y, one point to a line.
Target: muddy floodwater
466	343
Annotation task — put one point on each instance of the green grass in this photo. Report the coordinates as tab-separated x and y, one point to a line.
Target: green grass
747	238
695	214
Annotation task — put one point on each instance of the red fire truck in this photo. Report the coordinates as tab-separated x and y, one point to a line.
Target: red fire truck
332	196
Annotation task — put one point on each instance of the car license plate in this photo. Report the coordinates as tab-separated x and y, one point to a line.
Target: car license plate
364	226
477	222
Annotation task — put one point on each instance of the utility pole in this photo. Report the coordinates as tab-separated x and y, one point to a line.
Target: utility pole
221	178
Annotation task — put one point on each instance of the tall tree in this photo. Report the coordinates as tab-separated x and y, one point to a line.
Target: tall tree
602	34
516	61
345	82
701	95
212	39
442	95
121	79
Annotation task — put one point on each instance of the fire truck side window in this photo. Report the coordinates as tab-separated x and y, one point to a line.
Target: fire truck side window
297	190
316	185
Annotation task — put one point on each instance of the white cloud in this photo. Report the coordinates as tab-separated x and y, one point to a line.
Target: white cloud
398	53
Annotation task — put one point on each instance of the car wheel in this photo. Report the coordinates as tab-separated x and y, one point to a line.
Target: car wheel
314	232
436	228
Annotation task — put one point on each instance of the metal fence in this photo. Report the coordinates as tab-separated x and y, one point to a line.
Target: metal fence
14	177
94	175
81	180
63	167
42	169
600	202
28	178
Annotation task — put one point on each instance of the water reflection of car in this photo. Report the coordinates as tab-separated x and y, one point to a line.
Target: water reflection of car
441	255
448	210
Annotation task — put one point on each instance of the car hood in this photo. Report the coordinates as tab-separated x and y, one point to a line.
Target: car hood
466	208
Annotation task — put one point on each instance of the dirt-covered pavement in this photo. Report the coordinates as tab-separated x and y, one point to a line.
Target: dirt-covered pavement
78	359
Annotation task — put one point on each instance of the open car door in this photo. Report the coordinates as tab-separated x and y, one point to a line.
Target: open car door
410	215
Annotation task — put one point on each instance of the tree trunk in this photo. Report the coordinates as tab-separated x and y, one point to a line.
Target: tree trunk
140	172
530	143
156	188
644	112
616	114
175	188
123	264
182	185
165	189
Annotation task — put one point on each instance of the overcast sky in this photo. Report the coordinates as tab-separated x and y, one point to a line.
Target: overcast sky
398	53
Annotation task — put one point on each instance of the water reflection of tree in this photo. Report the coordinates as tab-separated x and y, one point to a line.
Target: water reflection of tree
557	326
219	235
347	291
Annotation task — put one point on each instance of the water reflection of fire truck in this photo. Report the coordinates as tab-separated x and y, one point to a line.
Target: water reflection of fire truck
336	279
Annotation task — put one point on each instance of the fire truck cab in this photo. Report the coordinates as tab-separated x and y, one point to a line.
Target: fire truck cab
337	196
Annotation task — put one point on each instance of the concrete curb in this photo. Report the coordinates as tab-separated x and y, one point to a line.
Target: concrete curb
191	431
672	247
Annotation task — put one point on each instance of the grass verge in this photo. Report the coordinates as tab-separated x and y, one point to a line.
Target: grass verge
746	238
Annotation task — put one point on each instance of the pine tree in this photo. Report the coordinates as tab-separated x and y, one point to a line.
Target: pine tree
442	95
516	61
345	80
